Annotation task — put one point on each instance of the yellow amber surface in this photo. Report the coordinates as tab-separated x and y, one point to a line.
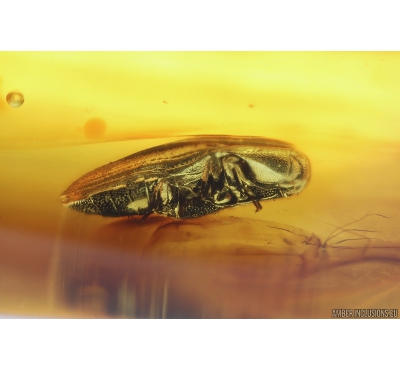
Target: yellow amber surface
83	110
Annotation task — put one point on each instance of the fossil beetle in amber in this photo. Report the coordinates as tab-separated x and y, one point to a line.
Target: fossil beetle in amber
192	178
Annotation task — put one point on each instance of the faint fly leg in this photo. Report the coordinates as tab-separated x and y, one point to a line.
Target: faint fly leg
343	229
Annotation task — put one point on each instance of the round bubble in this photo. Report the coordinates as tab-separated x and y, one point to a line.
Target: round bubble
15	99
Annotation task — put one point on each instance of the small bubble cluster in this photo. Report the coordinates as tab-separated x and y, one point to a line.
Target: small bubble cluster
15	99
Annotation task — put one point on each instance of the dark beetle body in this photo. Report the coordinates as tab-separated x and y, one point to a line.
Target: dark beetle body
192	178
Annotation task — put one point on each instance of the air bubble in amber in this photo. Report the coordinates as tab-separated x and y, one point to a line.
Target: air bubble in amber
15	99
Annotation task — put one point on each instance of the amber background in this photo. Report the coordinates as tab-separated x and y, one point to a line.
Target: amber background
341	109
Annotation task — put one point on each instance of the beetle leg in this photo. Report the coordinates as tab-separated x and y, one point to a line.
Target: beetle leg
258	205
144	217
282	192
252	197
240	175
236	171
212	178
155	201
165	197
152	198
